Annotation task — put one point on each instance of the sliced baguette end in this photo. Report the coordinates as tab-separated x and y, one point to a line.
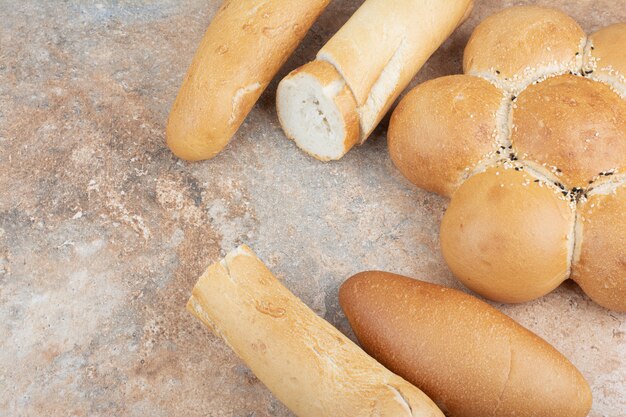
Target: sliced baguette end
317	110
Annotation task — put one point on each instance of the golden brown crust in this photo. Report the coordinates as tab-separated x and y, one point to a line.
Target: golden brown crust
522	43
508	237
600	266
605	59
574	124
240	53
308	364
430	151
471	359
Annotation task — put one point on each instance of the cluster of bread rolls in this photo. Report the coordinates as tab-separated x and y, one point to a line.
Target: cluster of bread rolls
530	144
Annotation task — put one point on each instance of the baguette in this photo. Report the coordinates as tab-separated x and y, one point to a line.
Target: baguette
308	364
243	48
472	360
374	55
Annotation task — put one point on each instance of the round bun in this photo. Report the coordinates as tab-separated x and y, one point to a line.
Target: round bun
522	43
507	236
571	123
600	263
605	57
472	360
551	104
429	152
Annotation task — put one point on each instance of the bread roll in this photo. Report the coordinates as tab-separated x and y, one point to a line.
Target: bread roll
605	57
472	360
508	235
601	245
430	153
375	54
521	44
572	123
243	48
308	364
564	133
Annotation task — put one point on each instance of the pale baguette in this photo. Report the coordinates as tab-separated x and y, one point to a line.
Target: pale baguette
244	46
374	55
308	364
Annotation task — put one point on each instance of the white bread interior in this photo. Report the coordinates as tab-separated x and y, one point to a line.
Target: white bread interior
315	109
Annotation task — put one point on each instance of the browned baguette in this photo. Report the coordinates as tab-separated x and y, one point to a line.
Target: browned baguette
472	360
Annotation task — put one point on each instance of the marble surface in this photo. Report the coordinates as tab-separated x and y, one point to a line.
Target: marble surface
103	232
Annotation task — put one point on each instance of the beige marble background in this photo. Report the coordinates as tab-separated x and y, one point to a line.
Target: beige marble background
103	232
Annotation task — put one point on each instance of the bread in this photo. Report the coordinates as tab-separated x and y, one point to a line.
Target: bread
243	48
441	163
508	237
605	57
601	249
308	364
332	123
520	143
374	56
521	44
583	136
472	360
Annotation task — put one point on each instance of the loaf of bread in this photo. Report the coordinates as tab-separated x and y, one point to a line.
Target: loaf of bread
530	144
308	364
244	47
472	360
336	101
